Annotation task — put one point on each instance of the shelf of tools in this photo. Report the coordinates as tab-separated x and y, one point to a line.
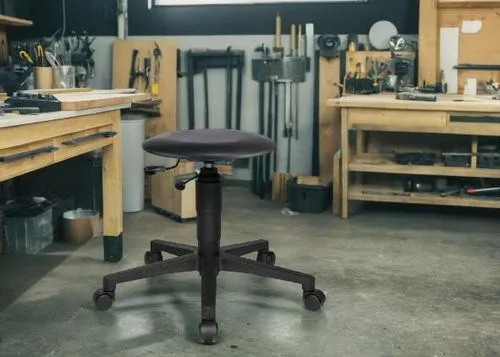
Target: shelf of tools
60	61
281	72
203	60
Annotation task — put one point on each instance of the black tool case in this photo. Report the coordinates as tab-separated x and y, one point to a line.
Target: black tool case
488	160
308	198
44	102
456	159
415	158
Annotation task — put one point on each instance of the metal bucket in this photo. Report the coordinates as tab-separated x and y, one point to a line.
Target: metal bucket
81	225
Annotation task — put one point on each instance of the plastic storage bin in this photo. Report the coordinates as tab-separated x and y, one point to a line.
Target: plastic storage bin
28	226
308	198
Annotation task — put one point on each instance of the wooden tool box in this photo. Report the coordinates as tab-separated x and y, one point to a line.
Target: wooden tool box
167	200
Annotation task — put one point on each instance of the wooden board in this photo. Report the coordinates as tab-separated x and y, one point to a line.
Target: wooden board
167	88
60	91
475	48
329	117
309	180
428	42
479	48
4	46
387	193
453	103
89	100
362	57
337	184
279	186
14	21
454	4
4	22
385	164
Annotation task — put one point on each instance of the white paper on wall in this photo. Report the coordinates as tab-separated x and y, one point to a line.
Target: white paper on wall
473	26
448	56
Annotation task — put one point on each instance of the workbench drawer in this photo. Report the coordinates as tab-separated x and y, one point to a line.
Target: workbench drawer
83	142
395	118
20	160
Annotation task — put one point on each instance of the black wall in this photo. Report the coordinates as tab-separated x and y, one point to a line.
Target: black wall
99	17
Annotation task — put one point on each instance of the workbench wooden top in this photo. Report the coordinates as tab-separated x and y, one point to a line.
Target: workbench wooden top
445	102
80	99
76	104
9	120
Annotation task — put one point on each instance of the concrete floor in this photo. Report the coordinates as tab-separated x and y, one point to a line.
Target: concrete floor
398	284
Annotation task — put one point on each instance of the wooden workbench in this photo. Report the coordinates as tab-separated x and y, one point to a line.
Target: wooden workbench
384	125
32	142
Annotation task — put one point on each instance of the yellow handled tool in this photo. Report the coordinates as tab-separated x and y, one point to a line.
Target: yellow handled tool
40	56
25	56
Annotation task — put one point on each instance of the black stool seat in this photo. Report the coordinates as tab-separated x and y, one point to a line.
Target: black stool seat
209	145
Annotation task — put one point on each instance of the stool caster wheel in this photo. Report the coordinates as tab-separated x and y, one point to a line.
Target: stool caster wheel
314	300
103	300
151	257
208	332
266	257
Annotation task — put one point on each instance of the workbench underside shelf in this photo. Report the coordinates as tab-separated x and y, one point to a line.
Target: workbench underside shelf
373	163
378	193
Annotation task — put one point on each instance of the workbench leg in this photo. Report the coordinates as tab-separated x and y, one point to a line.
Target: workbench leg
360	149
112	195
473	163
344	138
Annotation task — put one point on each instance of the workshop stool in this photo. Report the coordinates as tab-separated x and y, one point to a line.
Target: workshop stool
208	258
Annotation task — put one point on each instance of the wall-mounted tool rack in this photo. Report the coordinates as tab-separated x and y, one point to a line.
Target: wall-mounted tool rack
278	68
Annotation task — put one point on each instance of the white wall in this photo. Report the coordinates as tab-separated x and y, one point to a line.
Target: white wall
301	149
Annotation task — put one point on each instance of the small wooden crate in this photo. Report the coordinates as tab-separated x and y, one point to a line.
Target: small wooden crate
165	198
225	169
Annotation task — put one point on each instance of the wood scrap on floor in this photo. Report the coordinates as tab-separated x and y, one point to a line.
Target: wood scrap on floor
279	183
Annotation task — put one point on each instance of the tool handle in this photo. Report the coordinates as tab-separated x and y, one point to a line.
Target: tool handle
300	51
133	70
293	40
277	36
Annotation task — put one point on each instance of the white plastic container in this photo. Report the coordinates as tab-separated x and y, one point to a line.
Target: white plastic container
133	132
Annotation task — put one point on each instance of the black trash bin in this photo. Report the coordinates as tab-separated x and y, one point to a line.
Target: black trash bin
308	198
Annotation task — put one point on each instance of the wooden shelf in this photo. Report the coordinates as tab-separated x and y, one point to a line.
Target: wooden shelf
378	163
14	21
377	193
461	4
